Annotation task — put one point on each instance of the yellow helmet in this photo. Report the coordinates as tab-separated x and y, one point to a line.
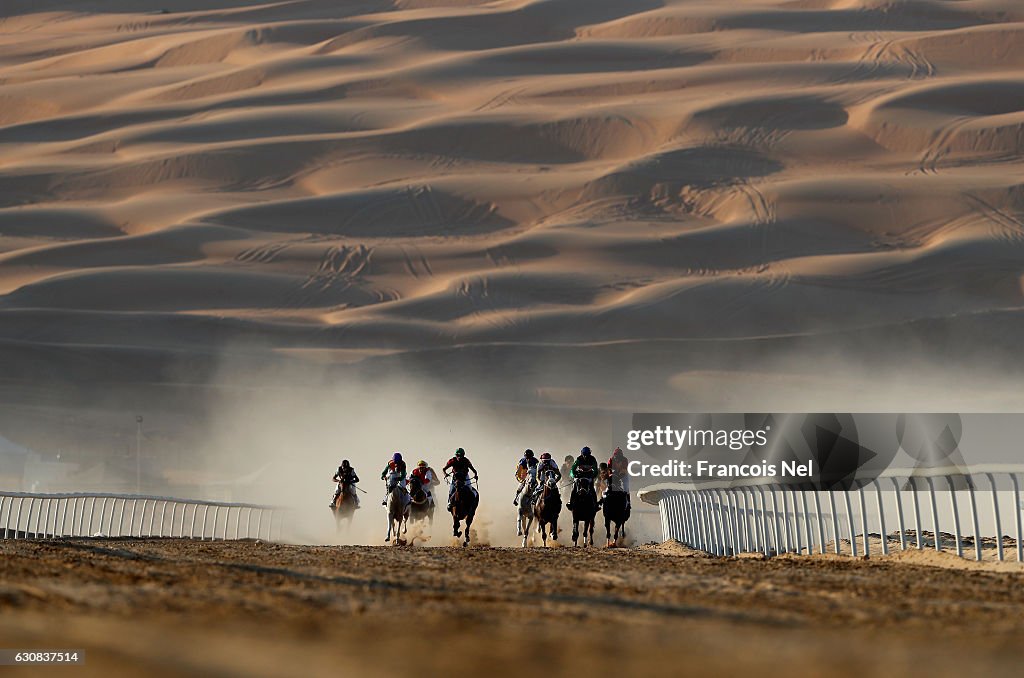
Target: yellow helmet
422	463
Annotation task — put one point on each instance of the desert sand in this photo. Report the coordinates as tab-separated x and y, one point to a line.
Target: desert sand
271	610
586	203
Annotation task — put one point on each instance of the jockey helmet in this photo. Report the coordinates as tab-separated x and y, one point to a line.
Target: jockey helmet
344	463
397	457
460	452
422	463
617	452
585	451
546	455
568	459
528	454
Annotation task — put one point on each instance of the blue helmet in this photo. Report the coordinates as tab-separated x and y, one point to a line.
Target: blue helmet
397	457
585	451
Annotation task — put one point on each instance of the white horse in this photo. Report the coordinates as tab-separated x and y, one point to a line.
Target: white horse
525	519
399	503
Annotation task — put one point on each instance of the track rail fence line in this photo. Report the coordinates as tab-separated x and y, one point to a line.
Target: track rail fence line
29	515
759	515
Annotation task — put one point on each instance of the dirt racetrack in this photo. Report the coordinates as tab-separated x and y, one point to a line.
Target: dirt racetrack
169	607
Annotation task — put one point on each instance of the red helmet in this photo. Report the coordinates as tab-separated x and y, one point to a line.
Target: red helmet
546	455
617	452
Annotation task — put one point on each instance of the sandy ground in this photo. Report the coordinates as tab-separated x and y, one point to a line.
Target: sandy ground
175	608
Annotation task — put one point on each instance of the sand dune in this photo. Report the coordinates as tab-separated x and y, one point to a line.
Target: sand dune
444	175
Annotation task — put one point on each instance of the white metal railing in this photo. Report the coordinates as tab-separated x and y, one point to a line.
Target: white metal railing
28	515
759	515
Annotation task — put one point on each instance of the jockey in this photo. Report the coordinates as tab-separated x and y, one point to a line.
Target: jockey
526	473
547	467
618	466
346	478
427	479
460	466
585	466
396	466
567	466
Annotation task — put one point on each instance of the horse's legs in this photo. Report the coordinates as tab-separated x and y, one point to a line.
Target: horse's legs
608	531
590	542
575	532
469	523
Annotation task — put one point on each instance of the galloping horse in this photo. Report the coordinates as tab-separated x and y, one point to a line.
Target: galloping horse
464	502
422	508
616	510
584	509
398	507
344	507
525	519
546	509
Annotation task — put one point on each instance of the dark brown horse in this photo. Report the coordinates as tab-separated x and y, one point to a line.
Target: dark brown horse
464	503
546	508
422	508
584	510
616	510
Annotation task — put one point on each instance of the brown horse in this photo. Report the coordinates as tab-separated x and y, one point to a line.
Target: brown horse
344	506
546	509
464	503
422	508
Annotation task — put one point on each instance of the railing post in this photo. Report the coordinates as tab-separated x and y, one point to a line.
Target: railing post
192	527
935	515
807	522
92	510
206	510
725	518
996	517
881	518
849	521
46	521
864	522
163	516
39	517
1016	516
956	516
785	518
917	513
899	514
974	518
821	521
763	521
775	520
17	525
750	521
798	540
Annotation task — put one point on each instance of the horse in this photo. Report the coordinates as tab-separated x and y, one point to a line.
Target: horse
584	509
546	508
464	502
344	506
616	510
526	511
398	508
422	508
